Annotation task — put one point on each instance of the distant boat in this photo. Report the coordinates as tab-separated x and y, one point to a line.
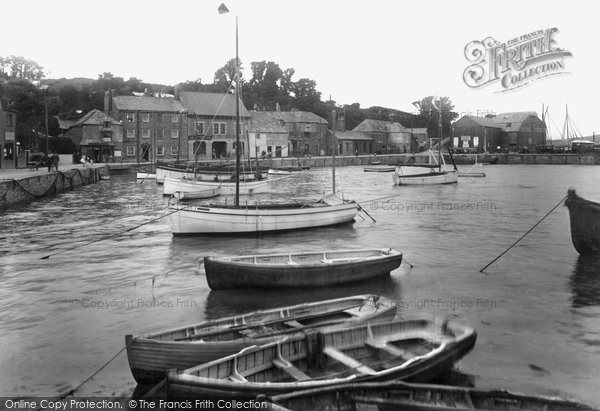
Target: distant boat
585	223
415	349
375	162
171	185
277	171
300	269
197	195
151	356
379	169
258	218
433	176
145	176
399	395
475	171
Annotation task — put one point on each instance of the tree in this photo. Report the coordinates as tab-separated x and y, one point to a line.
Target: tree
225	76
429	115
20	68
306	95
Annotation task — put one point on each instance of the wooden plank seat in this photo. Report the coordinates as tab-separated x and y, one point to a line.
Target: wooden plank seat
290	369
390	349
348	361
293	324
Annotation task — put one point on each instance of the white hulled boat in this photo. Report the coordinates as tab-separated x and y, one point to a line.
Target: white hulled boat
172	185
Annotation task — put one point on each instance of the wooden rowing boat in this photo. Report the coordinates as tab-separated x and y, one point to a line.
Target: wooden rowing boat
171	185
197	195
416	349
585	223
379	169
398	395
150	356
145	176
302	269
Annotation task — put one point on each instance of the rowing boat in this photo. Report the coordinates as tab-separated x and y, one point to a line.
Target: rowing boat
301	269
585	223
197	195
416	349
379	169
399	395
151	355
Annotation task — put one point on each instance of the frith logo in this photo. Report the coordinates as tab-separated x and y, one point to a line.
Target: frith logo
514	63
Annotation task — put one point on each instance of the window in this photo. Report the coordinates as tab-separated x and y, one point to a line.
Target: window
199	147
130	117
219	129
174	150
174	133
130	133
160	151
160	133
200	127
160	117
130	151
258	136
145	117
106	124
146	133
475	141
9	120
174	118
277	151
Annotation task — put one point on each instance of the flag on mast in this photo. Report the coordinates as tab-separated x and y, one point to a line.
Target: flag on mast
223	9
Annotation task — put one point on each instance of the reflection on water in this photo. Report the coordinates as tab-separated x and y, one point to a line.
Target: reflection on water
227	302
585	281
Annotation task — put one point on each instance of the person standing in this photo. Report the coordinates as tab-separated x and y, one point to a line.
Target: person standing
48	162
55	160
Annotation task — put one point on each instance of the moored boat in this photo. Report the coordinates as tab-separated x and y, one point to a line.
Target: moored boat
258	218
150	356
171	185
145	176
399	395
584	216
197	195
379	169
416	349
300	269
277	171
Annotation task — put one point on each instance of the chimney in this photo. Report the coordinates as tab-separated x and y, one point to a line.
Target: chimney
277	108
177	91
108	102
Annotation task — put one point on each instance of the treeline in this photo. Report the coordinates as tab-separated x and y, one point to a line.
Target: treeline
268	86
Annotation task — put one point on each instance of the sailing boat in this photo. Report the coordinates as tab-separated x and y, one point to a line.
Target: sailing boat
441	176
253	217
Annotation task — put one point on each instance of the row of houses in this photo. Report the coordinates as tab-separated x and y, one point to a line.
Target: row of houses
8	143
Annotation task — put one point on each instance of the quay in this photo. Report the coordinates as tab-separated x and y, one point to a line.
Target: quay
23	185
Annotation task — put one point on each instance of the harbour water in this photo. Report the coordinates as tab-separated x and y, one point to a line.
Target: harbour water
536	310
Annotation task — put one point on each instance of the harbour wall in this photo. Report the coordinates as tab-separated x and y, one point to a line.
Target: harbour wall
28	188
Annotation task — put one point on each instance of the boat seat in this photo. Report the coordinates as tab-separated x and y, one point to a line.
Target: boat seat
390	349
293	324
237	378
289	368
348	361
290	262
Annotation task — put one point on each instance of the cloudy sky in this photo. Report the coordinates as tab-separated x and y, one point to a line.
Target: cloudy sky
375	52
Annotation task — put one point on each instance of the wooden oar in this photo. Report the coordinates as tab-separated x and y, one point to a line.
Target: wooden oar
364	211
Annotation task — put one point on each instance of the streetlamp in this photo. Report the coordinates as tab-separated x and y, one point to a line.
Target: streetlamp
45	88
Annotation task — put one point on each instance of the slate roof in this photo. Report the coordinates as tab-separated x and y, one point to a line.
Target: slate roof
352	135
370	125
515	119
95	117
65	124
301	117
484	121
147	103
265	122
210	104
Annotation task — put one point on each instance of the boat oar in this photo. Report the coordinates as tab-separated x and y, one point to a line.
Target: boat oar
523	236
364	211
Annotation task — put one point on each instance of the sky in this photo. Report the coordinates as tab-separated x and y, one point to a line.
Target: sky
375	53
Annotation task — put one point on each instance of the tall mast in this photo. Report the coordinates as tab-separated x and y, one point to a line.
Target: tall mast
334	143
237	118
440	140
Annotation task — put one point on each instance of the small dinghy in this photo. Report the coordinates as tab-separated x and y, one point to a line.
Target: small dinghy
145	176
398	395
417	349
151	356
584	216
197	195
276	171
379	169
303	269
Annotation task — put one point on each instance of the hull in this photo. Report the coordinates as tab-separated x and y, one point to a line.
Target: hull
584	216
151	356
379	169
197	195
279	172
232	220
179	173
172	185
444	177
399	395
328	357
315	272
144	176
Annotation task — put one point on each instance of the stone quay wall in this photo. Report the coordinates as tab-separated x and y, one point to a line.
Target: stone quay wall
25	189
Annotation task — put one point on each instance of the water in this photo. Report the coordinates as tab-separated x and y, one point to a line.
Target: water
536	310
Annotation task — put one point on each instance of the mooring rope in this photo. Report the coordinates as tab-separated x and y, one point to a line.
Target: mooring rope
523	236
109	236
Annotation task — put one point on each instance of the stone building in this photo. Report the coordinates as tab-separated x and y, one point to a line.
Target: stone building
307	132
8	145
267	135
97	136
154	128
210	129
515	132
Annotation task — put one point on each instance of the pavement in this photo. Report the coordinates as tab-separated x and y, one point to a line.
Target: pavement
15	174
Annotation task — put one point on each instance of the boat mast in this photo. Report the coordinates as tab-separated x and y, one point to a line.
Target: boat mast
237	118
440	137
334	148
